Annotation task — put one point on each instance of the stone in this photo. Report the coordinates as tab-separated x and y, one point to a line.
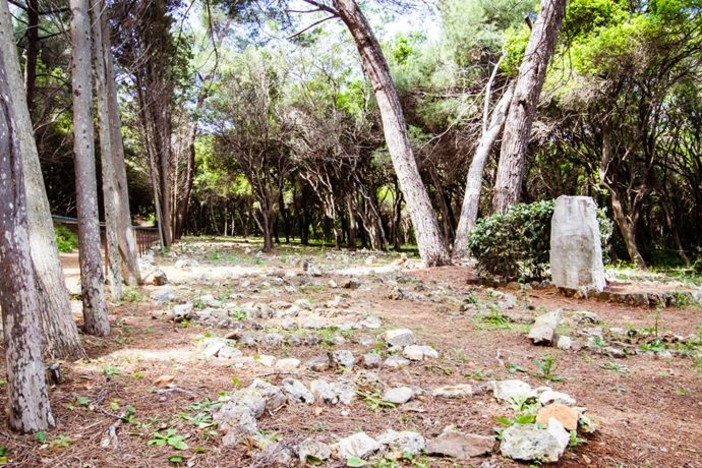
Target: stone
418	353
318	363
265	360
585	316
357	445
343	358
213	347
297	392
345	390
398	395
313	450
565	415
544	329
370	260
272	395
323	390
509	390
371	360
459	445
396	362
287	364
564	342
185	262
159	278
402	444
526	442
364	340
453	391
273	339
351	283
371	322
163	294
576	250
182	312
550	396
400	337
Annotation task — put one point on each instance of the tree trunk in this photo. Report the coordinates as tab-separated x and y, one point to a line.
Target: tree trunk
109	191
431	245
474	183
30	65
26	382
91	277
125	232
532	73
61	339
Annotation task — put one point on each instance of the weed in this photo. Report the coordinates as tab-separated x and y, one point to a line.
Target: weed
61	441
546	367
375	401
615	366
111	370
239	314
170	438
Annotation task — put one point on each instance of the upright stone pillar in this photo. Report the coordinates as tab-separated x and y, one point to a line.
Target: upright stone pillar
576	251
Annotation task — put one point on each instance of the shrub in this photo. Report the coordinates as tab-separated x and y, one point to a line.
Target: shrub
515	245
66	241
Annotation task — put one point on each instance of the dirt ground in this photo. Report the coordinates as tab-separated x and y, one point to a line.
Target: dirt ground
147	375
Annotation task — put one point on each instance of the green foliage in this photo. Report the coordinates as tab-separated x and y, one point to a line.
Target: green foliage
170	437
546	369
66	240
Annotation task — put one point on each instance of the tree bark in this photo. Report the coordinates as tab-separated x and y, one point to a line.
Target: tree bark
125	232
429	241
91	277
109	191
474	183
532	73
61	338
30	65
28	397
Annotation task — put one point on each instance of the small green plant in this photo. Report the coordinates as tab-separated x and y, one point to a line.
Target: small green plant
495	318
239	314
575	440
4	452
131	295
111	370
513	368
170	437
198	304
375	401
615	366
66	240
598	342
61	441
546	369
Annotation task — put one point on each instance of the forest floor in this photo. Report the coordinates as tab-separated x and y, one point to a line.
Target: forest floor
157	379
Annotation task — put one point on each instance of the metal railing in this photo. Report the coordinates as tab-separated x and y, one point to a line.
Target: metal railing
145	236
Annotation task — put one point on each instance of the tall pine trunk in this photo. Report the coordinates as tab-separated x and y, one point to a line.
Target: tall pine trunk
532	73
91	277
61	338
26	382
429	241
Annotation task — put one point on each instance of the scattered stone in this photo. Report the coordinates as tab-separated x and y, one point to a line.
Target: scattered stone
564	342
273	339
273	395
323	390
371	360
370	260
357	445
399	395
402	444
163	294
418	353
297	392
265	360
549	396
182	312
507	390
459	445
453	391
396	362
345	390
585	316
343	358
351	284
313	450
159	278
185	262
274	454
365	340
332	284
318	363
527	442
219	347
287	364
400	337
565	415
371	322
544	329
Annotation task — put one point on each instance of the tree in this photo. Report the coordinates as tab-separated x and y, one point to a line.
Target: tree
92	288
517	132
61	337
26	382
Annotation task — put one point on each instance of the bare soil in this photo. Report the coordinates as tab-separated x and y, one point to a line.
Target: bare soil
648	405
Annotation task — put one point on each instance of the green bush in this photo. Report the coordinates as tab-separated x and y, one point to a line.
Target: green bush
66	241
515	245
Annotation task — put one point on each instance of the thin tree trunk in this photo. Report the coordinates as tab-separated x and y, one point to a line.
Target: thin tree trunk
431	245
532	73
125	232
474	183
91	277
30	65
61	338
109	191
28	397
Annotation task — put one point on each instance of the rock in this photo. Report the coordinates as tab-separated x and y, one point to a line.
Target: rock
185	262
219	347
370	260
527	442
297	392
585	316
549	396
371	322
287	364
564	342
345	390
400	337
396	362
274	454
576	250
418	353
398	395
402	444
364	340
163	294
318	363
508	390
265	360
324	391
459	445
159	278
273	339
272	395
565	415
357	445
453	391
351	284
182	312
343	358
544	329
313	450
371	360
